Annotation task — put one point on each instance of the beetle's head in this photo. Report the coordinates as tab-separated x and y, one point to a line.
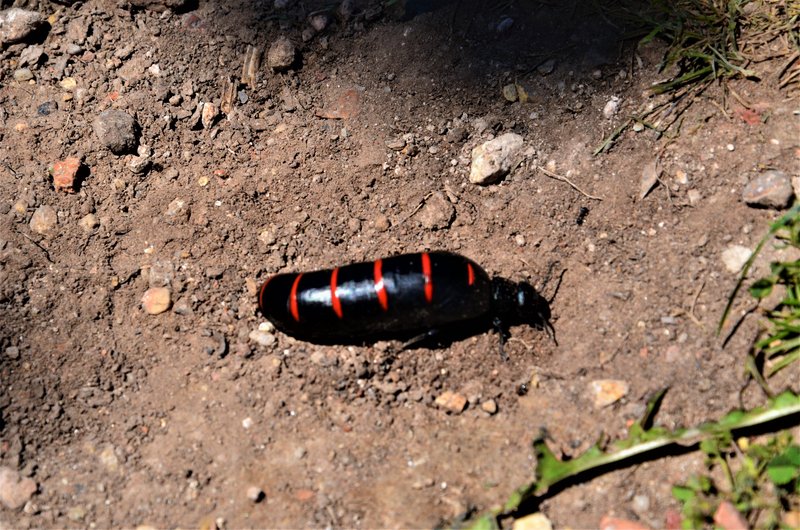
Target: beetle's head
519	303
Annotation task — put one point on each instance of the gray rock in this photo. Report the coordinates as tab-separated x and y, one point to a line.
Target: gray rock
495	158
770	189
16	25
15	490
116	130
281	54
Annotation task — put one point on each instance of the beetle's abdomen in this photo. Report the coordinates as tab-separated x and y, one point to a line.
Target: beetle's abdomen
406	293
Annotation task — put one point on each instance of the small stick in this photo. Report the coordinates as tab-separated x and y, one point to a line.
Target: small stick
29	238
565	179
696	296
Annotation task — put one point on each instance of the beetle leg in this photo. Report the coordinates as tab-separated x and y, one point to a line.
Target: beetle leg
419	339
503	333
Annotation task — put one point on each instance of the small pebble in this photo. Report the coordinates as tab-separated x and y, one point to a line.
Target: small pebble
247	422
534	521
641	504
608	391
108	458
489	406
452	401
116	130
44	220
281	54
156	300
64	174
23	75
264	338
177	211
735	256
319	22
15	490
12	352
547	67
209	115
505	24
611	107
255	494
770	189
395	144
76	513
493	160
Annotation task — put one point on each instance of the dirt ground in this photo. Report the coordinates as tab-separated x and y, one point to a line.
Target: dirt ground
360	150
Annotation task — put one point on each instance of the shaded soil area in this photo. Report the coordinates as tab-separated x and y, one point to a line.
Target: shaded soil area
361	149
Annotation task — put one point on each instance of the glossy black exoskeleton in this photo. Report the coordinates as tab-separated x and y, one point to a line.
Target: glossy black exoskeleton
397	297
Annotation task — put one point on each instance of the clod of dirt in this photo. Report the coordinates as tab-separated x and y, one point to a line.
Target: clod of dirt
65	173
88	222
16	25
451	401
281	54
437	213
608	391
15	490
116	130
156	300
770	189
493	160
44	220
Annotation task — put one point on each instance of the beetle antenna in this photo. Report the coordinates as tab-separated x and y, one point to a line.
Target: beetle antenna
558	286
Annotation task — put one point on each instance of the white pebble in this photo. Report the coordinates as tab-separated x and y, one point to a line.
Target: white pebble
611	107
247	422
735	256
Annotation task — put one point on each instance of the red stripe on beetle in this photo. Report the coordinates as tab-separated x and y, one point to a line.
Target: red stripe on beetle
426	273
380	288
335	302
470	274
293	299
